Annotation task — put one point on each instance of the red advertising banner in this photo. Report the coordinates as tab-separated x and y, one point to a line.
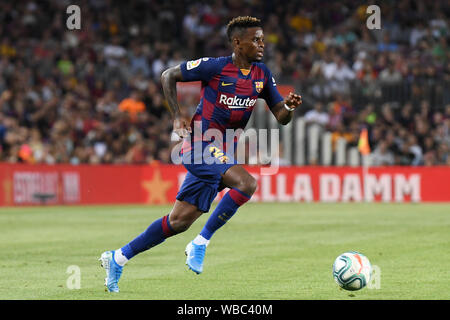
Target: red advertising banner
159	184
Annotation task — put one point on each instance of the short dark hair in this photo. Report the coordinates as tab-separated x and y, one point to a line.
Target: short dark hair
240	23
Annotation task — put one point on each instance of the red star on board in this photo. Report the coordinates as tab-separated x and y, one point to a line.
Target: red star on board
157	188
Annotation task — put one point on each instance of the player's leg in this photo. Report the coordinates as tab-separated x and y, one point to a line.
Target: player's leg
242	186
183	214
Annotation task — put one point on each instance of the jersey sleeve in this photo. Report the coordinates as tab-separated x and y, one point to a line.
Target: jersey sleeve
270	92
202	69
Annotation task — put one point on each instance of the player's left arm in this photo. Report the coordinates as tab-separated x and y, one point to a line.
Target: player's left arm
284	110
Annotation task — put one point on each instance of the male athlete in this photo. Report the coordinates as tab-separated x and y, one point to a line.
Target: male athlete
230	87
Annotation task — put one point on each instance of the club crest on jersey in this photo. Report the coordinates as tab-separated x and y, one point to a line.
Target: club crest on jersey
259	86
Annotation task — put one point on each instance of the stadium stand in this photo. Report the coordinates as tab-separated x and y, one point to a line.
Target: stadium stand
93	95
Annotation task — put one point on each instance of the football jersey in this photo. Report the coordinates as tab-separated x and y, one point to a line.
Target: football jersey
228	94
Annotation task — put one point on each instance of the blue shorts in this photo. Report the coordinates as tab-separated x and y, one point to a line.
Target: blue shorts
203	180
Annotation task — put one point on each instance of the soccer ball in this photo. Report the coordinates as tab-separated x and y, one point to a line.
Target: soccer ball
352	270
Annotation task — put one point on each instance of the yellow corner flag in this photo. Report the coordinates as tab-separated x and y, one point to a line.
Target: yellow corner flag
363	143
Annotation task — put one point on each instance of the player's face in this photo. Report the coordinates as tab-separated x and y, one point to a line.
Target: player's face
252	44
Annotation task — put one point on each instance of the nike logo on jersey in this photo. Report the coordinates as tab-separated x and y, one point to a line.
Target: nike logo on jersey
226	84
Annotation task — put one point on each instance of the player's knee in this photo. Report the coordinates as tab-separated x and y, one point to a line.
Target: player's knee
182	227
249	185
252	185
180	224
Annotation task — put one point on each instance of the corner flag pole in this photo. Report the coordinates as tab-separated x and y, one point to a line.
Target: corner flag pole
364	148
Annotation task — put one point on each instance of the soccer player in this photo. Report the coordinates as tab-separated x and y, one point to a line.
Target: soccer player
230	87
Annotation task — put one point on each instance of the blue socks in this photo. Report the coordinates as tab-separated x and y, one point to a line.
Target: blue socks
226	208
155	234
160	229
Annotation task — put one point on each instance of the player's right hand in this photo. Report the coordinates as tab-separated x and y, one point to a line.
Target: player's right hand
181	127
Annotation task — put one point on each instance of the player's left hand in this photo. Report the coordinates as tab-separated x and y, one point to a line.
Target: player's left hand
293	100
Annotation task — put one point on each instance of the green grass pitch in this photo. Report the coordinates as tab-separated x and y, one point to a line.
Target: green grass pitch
275	251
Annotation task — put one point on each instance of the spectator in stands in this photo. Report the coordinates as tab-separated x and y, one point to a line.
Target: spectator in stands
382	156
414	149
132	106
342	132
390	76
317	115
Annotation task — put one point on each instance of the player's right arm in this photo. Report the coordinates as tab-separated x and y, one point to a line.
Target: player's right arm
169	79
195	70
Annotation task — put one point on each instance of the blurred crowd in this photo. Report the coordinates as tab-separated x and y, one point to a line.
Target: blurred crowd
398	134
94	95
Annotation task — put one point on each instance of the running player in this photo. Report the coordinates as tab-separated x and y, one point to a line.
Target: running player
230	87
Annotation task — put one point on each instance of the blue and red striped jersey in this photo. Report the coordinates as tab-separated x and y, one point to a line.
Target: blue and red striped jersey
228	94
